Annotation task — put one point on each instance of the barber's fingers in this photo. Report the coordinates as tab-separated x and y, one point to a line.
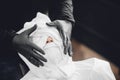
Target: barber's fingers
28	53
57	25
38	56
51	24
35	62
35	47
64	38
34	53
61	32
66	41
29	31
36	59
69	48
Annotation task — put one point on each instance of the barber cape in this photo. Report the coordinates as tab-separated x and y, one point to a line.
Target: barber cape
60	66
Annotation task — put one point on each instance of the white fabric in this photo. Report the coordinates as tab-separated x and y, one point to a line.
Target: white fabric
59	65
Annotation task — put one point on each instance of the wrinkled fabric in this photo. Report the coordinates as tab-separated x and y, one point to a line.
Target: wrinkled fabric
60	66
13	14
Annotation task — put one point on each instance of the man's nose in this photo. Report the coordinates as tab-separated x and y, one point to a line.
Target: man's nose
49	40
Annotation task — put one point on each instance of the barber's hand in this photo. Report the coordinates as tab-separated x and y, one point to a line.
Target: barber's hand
28	49
64	28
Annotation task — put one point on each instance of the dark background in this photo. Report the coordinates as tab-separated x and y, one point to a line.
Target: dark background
98	26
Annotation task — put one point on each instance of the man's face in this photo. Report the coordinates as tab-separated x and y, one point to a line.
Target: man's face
47	38
51	43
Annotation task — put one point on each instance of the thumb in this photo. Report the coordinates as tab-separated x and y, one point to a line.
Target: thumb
29	31
51	24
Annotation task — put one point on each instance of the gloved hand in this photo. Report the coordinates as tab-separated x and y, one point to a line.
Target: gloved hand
28	49
64	28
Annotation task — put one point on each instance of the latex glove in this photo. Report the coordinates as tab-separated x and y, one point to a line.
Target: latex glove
28	49
64	27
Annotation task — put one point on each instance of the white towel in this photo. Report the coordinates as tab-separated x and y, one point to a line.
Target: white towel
59	65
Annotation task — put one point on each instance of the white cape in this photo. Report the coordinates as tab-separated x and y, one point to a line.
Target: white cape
59	65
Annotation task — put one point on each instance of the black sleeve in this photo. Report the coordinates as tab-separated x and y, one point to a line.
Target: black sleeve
61	9
6	37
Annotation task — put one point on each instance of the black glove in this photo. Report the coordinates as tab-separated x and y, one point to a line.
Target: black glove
28	49
64	35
